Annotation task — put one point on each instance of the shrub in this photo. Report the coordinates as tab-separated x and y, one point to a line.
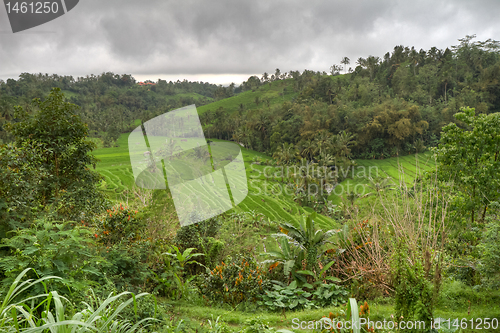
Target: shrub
290	297
235	280
293	297
490	258
53	248
201	236
119	224
128	267
414	293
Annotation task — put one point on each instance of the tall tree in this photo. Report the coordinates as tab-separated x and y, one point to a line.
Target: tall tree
470	158
345	61
59	137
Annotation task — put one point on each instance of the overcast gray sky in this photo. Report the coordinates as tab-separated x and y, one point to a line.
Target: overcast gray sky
227	40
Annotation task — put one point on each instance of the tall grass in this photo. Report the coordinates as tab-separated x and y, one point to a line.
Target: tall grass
415	214
98	316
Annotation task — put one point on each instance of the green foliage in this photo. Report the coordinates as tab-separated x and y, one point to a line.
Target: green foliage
290	258
201	236
469	158
307	238
181	259
217	325
19	202
257	325
489	265
293	297
58	138
117	225
290	297
98	315
237	279
128	264
173	327
53	248
173	279
414	298
329	295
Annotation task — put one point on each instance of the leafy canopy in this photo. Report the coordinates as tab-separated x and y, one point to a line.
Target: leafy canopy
59	139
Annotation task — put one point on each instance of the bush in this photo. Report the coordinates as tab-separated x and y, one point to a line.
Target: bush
290	297
414	293
489	266
238	279
201	237
54	248
118	225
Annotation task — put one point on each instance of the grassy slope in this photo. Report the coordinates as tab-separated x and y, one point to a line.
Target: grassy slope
399	169
277	92
115	166
266	193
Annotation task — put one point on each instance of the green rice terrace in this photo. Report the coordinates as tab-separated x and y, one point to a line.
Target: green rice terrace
267	194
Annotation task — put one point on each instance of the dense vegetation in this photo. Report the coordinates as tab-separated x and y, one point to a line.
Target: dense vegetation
109	103
84	249
395	104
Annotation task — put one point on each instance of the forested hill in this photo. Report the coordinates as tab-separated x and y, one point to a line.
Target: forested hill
387	106
109	103
384	106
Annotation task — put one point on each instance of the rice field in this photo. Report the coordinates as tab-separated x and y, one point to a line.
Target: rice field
267	195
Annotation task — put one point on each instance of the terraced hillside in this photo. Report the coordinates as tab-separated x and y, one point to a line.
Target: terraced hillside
267	194
263	197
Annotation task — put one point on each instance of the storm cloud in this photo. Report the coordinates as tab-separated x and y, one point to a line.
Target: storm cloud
159	37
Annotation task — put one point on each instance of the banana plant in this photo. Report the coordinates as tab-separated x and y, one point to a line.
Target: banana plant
307	238
291	258
184	258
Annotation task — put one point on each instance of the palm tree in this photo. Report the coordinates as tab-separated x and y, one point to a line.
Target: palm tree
371	64
265	77
261	125
304	175
277	74
284	153
378	185
344	140
345	61
238	135
361	62
321	141
414	57
306	149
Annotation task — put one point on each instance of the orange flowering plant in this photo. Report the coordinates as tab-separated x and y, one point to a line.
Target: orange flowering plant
118	224
235	280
